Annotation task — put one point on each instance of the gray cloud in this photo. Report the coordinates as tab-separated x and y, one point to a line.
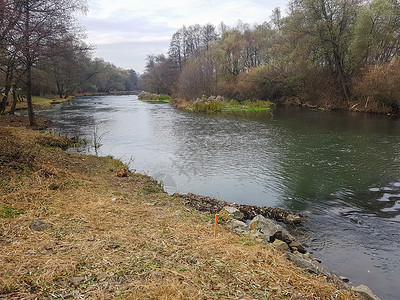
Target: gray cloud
126	31
130	55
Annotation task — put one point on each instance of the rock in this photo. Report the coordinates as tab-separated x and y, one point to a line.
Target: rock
344	279
192	260
238	226
314	267
364	293
266	226
285	236
256	236
299	247
229	212
213	206
39	225
293	219
280	245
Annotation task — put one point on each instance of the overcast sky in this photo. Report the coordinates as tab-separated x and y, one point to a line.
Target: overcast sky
125	31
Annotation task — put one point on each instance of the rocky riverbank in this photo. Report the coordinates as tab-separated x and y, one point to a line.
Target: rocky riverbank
261	224
72	228
213	206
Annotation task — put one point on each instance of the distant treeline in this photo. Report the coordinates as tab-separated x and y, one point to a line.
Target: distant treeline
42	52
325	53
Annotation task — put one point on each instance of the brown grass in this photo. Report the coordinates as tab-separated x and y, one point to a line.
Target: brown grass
123	238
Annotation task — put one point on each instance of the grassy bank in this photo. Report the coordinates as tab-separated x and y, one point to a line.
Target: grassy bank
37	102
70	227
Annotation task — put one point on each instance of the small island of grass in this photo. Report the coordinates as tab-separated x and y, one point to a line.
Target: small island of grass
156	98
220	104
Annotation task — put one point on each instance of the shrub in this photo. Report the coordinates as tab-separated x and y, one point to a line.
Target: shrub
380	84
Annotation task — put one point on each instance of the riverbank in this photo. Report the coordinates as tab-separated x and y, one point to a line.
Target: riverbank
354	106
71	227
37	102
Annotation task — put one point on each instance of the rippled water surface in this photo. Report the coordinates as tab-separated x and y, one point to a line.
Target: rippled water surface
342	170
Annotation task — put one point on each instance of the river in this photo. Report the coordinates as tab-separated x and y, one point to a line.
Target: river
340	169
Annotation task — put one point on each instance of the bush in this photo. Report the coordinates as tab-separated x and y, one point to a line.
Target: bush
380	85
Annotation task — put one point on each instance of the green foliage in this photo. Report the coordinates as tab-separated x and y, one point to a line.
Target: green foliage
149	97
248	105
208	106
7	212
217	104
163	97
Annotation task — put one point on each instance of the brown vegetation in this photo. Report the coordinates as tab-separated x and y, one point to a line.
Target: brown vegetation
328	54
102	236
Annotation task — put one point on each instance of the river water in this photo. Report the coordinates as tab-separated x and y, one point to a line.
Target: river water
340	169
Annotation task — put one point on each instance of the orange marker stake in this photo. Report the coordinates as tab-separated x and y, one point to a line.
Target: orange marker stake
52	130
215	226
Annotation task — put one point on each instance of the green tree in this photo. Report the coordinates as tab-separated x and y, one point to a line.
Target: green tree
326	26
376	33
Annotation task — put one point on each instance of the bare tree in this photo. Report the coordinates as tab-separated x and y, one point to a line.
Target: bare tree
41	24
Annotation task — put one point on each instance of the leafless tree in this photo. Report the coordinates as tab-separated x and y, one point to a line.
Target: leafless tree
42	24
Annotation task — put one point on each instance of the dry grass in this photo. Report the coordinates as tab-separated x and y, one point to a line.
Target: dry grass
123	238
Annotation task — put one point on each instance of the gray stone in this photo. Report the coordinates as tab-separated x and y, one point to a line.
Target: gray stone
299	247
238	226
280	245
39	225
192	260
314	267
266	226
293	219
285	236
229	212
364	293
344	278
256	236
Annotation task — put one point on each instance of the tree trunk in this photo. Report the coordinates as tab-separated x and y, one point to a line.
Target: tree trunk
29	95
342	77
15	100
5	98
29	63
7	88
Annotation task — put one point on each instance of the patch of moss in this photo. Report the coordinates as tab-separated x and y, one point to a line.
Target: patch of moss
7	212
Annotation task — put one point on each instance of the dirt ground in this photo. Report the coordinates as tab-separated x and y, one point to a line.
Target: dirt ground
71	228
21	121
